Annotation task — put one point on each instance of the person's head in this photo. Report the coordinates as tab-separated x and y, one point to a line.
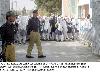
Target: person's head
10	16
35	13
88	16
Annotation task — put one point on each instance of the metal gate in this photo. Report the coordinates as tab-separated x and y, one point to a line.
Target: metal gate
86	33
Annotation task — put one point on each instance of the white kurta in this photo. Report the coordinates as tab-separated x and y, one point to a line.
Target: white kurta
23	22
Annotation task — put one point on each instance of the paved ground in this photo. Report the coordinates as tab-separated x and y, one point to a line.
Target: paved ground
58	52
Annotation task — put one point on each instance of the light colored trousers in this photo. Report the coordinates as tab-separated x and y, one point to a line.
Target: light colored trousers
10	53
34	38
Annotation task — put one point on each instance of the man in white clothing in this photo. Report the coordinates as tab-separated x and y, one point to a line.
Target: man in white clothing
22	29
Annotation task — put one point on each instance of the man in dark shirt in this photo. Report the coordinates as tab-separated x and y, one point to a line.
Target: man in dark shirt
7	32
52	22
34	36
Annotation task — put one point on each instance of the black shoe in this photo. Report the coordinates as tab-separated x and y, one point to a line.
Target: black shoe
19	43
29	56
72	38
41	56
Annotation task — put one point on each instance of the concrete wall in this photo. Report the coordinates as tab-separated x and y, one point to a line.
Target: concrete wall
96	25
4	7
69	8
65	8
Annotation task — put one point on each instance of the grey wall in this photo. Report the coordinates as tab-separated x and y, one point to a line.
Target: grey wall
96	25
4	7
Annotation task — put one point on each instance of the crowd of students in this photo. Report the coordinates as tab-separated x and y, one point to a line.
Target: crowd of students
53	28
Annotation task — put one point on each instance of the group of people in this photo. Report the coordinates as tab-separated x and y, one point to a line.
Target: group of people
8	31
34	29
58	28
53	28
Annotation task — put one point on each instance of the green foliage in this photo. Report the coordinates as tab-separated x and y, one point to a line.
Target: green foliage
51	6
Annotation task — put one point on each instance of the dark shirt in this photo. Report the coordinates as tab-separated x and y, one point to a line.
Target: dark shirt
52	23
7	32
33	25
